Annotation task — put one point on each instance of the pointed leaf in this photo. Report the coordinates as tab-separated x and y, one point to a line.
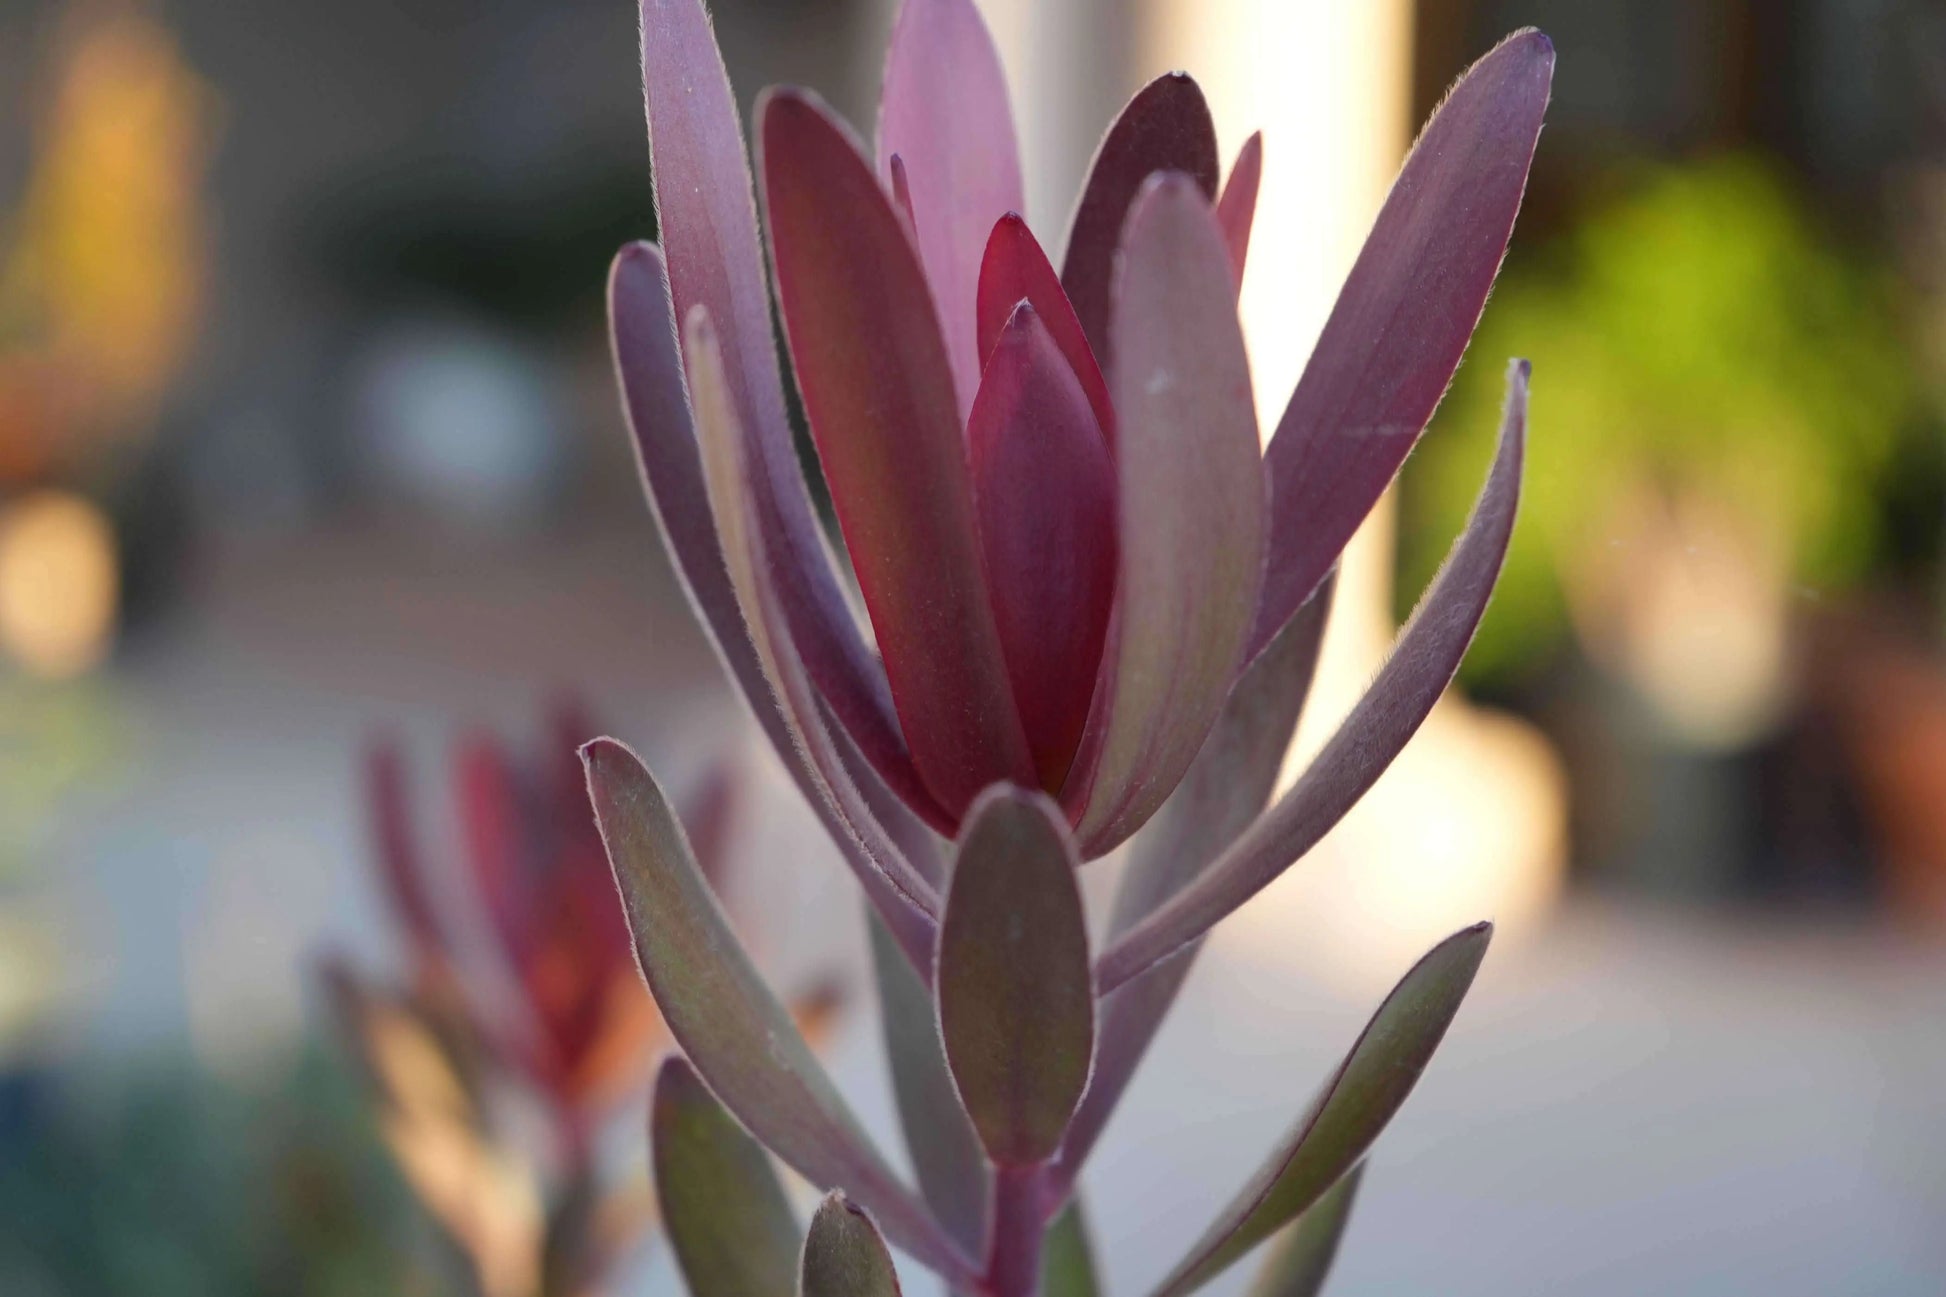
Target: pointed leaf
1402	319
1068	1256
1191	505
909	835
1223	792
896	888
1044	489
1300	1258
648	358
879	396
1422	664
718	1008
722	1205
952	1167
945	114
1165	127
708	226
1237	209
496	838
844	1255
1016	270
396	847
1015	1006
1348	1114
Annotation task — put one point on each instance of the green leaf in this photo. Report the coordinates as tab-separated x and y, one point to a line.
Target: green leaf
726	1019
1068	1256
1300	1257
844	1255
1015	995
952	1168
722	1205
1348	1114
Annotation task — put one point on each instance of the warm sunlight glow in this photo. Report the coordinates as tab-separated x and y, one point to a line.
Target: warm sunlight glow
58	583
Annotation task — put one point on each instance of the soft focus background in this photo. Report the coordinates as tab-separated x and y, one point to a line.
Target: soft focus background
307	437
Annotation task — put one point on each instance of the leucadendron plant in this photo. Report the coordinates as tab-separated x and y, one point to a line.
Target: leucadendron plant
520	1024
1095	606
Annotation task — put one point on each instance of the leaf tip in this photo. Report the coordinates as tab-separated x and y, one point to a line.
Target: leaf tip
1536	43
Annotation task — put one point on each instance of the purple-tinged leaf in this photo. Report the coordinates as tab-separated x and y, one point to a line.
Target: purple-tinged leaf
945	114
495	836
1300	1258
1016	270
1225	790
911	838
1422	664
1402	320
1044	489
648	357
1236	210
897	889
879	396
844	1255
722	1205
1068	1256
1191	505
401	867
709	237
739	1038
1334	1135
1165	127
1016	1009
946	1153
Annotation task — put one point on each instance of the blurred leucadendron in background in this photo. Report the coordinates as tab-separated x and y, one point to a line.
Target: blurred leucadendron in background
1095	600
544	1005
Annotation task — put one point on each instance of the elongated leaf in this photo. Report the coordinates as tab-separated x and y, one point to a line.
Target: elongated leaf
945	113
1016	270
879	396
946	1153
844	1255
1237	209
718	1008
1300	1257
1016	1008
708	226
1191	507
909	834
489	798
722	1205
1402	320
1348	1114
896	888
1223	792
401	867
1044	488
1422	664
1068	1256
648	358
1165	127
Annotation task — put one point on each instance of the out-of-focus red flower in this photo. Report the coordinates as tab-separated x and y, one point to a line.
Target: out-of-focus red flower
520	980
535	885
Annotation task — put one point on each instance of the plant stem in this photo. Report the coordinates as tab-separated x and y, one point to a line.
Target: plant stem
1019	1228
